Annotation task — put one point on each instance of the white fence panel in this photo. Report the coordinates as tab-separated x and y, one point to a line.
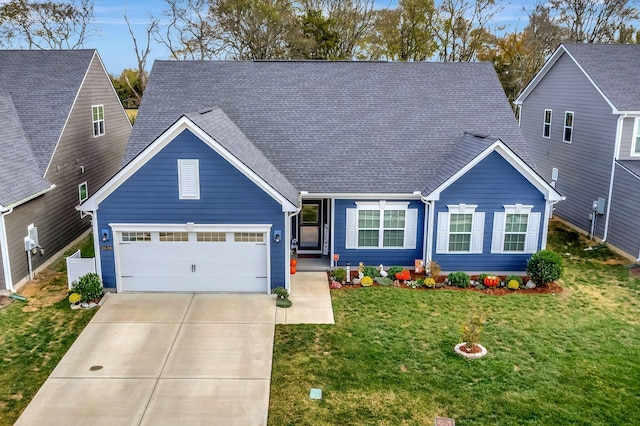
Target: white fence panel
78	266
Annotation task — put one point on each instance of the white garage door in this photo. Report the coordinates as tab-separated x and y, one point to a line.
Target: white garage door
192	260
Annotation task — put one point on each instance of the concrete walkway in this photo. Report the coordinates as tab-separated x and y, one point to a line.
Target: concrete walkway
176	359
165	359
311	300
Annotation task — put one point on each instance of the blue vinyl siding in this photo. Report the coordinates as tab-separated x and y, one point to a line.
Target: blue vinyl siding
490	185
388	257
226	197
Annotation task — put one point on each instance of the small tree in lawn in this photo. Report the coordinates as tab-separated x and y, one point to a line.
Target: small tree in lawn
544	267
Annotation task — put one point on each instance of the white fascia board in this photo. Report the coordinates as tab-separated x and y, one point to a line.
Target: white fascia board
29	198
363	196
93	202
545	69
96	55
525	170
540	75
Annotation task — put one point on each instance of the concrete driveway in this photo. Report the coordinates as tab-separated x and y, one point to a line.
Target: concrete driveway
154	359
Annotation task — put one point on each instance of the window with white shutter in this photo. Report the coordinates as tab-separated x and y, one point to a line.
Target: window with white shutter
515	230
460	230
189	179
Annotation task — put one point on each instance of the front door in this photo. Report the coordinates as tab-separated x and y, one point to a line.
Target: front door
311	225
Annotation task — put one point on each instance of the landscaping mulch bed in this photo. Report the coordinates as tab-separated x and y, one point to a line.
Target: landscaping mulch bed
551	288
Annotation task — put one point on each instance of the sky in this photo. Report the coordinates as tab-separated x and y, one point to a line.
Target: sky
115	46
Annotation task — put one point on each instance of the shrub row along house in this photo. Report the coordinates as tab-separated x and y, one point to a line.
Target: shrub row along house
63	133
230	164
581	118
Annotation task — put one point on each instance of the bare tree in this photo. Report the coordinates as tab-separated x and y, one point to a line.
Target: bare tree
254	29
352	20
45	25
190	34
594	21
404	33
142	53
463	28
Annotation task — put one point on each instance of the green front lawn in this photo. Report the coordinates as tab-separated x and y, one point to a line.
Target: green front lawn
569	358
34	335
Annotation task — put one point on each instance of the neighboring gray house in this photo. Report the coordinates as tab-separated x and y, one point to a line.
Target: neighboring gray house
581	118
63	133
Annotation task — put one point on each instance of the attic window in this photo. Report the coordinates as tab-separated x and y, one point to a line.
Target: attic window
97	115
189	179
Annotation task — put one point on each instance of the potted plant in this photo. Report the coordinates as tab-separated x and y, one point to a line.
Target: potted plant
282	297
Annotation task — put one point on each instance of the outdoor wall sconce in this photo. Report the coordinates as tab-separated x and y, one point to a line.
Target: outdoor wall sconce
105	235
277	236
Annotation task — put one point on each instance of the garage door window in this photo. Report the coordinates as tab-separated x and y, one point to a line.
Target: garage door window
174	236
212	237
128	237
248	237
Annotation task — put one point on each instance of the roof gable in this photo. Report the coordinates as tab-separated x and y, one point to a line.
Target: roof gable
43	86
611	68
475	148
337	127
213	117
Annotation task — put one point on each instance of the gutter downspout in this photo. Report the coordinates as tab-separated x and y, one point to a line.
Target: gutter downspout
428	229
545	227
613	171
4	250
289	216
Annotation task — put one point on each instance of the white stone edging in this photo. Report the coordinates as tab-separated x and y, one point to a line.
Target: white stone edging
460	352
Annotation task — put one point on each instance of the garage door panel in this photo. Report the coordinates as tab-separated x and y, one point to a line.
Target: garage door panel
194	265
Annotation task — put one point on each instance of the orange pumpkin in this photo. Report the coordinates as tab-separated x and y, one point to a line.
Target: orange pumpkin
292	269
491	281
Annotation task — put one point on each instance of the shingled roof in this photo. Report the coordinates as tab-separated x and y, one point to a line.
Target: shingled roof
613	68
38	89
338	127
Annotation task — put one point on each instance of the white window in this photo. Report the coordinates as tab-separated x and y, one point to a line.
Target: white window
516	230
97	114
83	191
173	236
460	230
83	194
381	224
567	136
248	237
546	128
189	179
128	237
635	146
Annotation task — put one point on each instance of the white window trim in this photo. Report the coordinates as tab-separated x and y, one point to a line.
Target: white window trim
477	229
635	149
500	223
565	127
410	224
544	123
93	122
185	193
83	214
554	174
